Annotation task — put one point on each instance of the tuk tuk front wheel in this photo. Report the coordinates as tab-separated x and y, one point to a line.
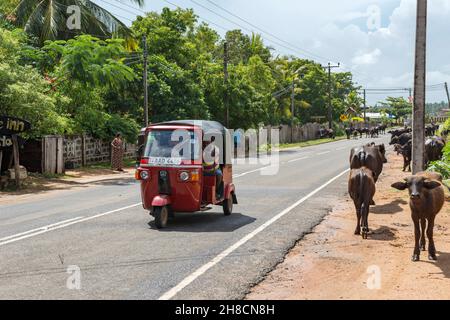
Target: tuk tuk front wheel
228	206
161	215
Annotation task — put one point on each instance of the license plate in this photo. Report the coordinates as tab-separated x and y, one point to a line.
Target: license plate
165	161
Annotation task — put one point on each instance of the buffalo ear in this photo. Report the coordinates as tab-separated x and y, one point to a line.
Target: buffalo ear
400	186
431	184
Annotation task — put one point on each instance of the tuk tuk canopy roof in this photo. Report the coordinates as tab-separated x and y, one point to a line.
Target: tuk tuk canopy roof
205	125
209	128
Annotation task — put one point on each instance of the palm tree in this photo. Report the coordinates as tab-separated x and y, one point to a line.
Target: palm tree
47	19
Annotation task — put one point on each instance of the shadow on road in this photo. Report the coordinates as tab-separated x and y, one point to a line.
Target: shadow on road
389	208
205	222
383	234
116	182
442	263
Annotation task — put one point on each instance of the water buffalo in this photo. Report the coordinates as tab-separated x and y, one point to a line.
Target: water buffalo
402	139
431	129
361	187
374	132
406	152
434	149
327	133
348	132
426	201
370	156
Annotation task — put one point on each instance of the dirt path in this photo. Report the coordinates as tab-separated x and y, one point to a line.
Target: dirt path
332	263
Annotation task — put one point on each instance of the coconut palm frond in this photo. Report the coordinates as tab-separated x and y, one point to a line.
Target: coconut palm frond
54	17
24	9
47	20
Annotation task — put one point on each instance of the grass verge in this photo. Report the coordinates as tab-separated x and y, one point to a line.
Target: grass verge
310	143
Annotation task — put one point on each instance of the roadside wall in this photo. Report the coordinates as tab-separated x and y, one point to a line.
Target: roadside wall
86	150
309	131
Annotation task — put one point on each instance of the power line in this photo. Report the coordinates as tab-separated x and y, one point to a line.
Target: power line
266	32
239	25
217	25
290	47
118	7
278	38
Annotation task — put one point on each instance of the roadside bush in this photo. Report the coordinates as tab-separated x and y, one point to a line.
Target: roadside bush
442	166
123	124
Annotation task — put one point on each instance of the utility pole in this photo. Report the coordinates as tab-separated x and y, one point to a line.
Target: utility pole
292	109
330	110
144	40
365	107
16	160
225	73
410	99
419	88
448	95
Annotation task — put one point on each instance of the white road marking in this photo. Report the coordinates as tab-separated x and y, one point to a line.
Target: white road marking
200	271
39	229
322	153
299	159
56	226
342	148
248	172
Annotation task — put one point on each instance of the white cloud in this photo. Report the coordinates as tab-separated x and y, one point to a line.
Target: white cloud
336	31
367	58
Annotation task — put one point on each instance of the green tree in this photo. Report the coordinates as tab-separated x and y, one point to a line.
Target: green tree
397	106
89	60
25	93
47	19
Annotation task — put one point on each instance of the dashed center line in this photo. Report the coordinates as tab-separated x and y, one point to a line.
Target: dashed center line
322	153
299	159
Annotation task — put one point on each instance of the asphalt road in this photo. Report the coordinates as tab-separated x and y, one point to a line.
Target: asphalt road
103	231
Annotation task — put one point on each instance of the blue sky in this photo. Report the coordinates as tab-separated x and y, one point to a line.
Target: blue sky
346	31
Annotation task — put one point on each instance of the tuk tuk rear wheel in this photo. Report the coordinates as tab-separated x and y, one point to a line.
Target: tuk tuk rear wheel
228	206
161	216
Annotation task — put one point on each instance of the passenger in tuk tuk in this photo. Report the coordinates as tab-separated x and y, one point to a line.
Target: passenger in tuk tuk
211	164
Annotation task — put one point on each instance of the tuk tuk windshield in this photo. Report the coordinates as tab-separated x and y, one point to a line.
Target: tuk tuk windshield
176	145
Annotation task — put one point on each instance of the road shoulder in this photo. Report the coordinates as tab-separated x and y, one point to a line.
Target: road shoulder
332	263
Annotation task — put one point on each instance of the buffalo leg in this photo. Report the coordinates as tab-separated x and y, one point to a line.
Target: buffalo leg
416	254
423	225
358	219
365	219
431	247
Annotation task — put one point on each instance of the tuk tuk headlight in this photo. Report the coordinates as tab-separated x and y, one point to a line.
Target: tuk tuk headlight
184	176
144	175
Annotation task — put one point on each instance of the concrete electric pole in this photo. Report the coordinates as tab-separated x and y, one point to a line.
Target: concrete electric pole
144	42
225	73
448	95
419	88
365	107
330	109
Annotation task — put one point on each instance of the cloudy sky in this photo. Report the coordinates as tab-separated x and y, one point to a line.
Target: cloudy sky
374	39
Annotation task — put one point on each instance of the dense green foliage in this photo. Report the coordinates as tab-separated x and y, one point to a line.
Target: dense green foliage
85	84
442	166
399	107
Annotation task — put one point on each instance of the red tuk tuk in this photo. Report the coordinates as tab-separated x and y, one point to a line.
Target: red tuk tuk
171	169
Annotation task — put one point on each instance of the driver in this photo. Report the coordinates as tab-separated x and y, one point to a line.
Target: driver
211	164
